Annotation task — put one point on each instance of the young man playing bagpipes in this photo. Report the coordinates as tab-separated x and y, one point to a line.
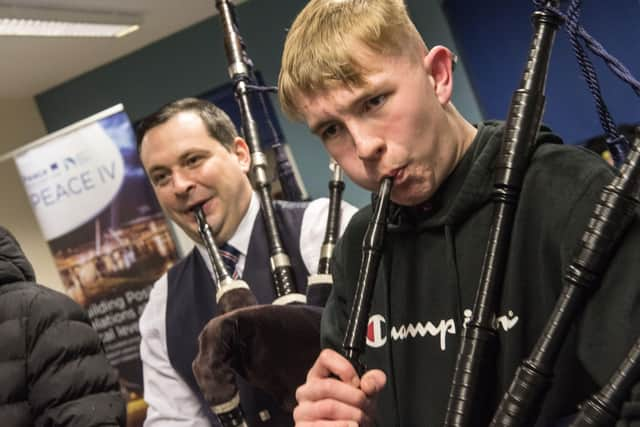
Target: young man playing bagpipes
358	73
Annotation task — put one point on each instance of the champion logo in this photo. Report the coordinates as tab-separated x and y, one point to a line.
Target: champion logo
506	322
441	329
377	329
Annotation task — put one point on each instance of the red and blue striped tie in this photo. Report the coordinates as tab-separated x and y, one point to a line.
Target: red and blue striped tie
230	257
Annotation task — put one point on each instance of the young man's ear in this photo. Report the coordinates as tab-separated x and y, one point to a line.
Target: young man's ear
439	63
241	149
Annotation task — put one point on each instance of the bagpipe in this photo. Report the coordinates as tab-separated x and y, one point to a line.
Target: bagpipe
247	339
372	247
319	284
610	217
613	213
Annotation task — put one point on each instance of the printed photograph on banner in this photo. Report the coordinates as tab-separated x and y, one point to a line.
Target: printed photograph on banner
106	231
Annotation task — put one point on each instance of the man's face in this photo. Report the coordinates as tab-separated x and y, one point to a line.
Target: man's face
188	168
395	124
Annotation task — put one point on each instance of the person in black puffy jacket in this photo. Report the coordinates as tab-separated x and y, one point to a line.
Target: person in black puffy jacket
53	368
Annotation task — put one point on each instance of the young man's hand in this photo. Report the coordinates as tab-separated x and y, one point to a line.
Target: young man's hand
334	395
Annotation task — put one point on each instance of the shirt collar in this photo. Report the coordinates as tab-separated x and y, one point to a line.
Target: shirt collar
240	239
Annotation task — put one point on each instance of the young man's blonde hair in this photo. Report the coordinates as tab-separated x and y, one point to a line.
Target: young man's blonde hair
321	47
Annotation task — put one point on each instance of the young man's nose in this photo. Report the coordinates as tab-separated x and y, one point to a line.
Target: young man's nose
368	145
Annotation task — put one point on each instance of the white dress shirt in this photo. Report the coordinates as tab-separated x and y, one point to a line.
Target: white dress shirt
171	401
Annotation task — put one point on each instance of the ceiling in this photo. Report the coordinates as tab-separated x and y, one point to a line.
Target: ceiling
31	65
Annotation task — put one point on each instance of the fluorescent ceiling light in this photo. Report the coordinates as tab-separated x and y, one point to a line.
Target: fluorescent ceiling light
52	22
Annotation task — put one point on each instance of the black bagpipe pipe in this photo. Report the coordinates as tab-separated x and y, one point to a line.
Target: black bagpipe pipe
476	355
611	216
319	285
372	245
241	75
241	68
603	408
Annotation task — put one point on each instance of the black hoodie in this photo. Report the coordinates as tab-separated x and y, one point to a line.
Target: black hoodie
53	371
430	270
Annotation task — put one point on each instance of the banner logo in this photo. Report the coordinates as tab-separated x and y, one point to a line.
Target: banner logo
68	173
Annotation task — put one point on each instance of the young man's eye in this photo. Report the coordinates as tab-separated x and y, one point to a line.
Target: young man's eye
329	132
374	102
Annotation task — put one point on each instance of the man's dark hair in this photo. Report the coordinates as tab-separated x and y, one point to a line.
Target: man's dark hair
217	122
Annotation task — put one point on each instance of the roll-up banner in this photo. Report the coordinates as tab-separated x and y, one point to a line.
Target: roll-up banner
106	231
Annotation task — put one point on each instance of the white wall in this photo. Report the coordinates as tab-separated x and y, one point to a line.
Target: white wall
21	123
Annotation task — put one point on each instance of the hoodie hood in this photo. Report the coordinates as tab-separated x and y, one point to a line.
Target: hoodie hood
14	266
467	188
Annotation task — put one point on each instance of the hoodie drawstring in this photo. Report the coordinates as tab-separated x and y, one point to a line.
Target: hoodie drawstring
453	265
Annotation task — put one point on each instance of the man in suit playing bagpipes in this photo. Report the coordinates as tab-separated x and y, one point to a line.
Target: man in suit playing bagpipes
361	77
195	159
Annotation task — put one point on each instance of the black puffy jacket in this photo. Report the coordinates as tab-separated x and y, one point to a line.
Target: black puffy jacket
53	371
